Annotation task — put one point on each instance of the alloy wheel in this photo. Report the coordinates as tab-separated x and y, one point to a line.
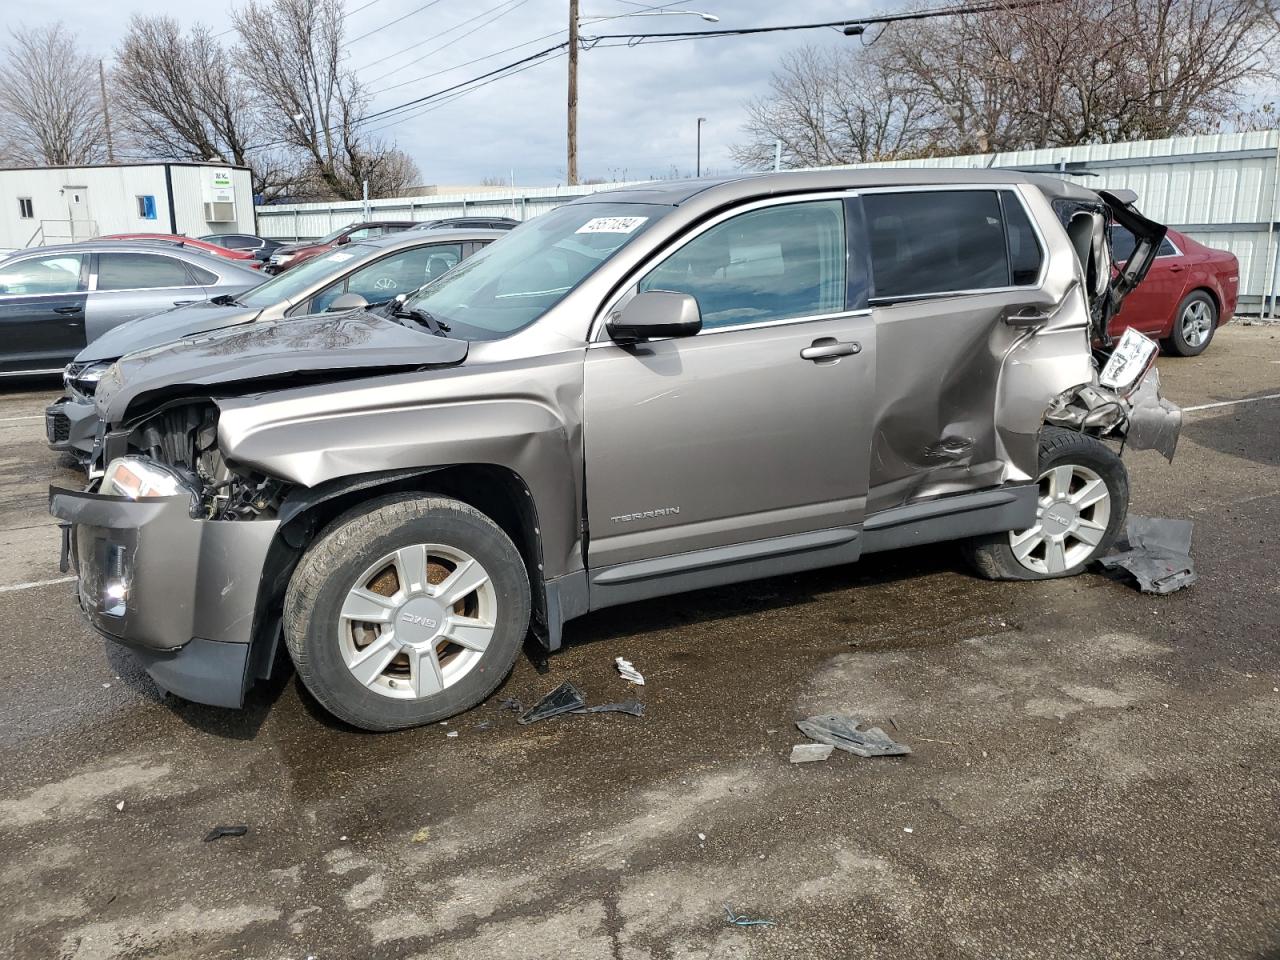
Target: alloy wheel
417	621
1072	514
1197	323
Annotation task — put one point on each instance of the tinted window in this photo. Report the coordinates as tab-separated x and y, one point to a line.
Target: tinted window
202	275
139	271
1025	255
771	264
60	274
394	275
1123	243
936	241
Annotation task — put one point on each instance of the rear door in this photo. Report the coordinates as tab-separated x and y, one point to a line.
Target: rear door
750	436
947	265
42	311
125	286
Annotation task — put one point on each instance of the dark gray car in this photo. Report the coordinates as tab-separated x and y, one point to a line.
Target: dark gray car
375	271
636	394
55	300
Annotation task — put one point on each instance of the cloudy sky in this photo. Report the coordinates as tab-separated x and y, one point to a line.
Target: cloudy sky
638	106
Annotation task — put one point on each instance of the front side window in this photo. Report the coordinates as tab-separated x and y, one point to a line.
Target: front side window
292	285
515	280
944	241
140	271
37	275
391	276
777	263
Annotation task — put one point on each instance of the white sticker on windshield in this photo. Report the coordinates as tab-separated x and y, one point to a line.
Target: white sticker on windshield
611	225
338	257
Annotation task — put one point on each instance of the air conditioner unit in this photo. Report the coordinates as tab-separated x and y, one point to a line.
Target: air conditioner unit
219	212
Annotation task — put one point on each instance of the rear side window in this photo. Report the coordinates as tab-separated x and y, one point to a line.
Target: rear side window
140	271
203	276
777	263
946	241
1123	244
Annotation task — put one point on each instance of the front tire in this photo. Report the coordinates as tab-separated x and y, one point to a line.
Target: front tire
1083	501
407	611
1193	324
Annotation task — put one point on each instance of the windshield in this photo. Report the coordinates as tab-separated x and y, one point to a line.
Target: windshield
292	285
329	237
520	277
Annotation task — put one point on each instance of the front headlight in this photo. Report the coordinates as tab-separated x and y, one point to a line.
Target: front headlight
81	380
139	477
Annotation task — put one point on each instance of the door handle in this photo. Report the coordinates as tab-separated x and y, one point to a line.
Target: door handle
66	310
830	349
1027	315
1176	268
182	303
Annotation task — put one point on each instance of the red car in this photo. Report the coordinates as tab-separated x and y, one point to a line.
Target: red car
244	258
1189	292
292	254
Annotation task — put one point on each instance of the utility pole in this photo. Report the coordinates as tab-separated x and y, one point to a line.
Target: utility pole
106	111
701	121
572	175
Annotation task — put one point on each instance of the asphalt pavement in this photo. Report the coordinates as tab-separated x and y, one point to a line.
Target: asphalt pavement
1095	772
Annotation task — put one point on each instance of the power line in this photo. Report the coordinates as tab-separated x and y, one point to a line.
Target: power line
391	23
467	63
345	14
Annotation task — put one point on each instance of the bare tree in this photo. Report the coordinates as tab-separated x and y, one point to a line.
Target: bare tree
1057	74
50	107
293	49
181	97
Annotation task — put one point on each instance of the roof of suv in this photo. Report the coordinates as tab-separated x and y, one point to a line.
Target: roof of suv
676	192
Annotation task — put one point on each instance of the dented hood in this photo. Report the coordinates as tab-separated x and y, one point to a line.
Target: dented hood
274	353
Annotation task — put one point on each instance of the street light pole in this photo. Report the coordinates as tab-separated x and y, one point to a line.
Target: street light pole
572	174
701	121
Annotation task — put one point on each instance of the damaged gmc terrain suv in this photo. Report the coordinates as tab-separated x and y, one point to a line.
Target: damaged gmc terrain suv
639	393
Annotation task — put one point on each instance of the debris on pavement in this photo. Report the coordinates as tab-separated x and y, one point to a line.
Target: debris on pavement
217	833
1157	553
484	725
511	703
423	835
633	707
452	733
120	805
563	699
810	752
743	921
843	733
629	672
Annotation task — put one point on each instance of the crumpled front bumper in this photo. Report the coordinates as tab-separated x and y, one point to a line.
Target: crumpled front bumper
181	592
71	425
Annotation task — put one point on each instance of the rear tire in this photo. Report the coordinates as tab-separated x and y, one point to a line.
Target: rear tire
1083	501
1194	323
406	611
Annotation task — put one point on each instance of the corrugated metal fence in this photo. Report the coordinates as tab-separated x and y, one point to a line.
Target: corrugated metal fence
1223	190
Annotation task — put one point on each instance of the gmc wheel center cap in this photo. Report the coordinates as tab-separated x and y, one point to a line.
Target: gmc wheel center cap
419	621
1059	518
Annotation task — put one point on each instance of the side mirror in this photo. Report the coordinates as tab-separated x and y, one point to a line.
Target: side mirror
656	313
343	239
348	301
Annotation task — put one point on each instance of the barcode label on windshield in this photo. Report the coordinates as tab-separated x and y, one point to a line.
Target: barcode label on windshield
611	225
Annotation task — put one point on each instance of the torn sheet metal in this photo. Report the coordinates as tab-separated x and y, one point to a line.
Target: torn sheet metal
843	733
1144	419
1157	552
563	699
628	671
1154	422
810	752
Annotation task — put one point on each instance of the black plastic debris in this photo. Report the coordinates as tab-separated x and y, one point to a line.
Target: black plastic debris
563	699
633	707
510	703
1156	553
217	833
739	920
843	734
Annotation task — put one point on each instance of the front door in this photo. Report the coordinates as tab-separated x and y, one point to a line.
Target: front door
756	428
42	312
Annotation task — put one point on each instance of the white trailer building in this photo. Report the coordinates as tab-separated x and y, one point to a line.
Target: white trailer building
43	205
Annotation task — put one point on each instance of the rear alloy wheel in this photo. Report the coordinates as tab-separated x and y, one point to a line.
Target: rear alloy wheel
1082	499
1194	324
406	612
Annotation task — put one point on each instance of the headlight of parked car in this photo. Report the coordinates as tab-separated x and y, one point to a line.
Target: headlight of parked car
138	478
81	379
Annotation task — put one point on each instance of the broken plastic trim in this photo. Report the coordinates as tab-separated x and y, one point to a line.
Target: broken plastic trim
563	699
1157	553
843	733
1144	420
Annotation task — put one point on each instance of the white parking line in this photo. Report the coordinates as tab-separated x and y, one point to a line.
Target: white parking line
10	588
38	416
1230	403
